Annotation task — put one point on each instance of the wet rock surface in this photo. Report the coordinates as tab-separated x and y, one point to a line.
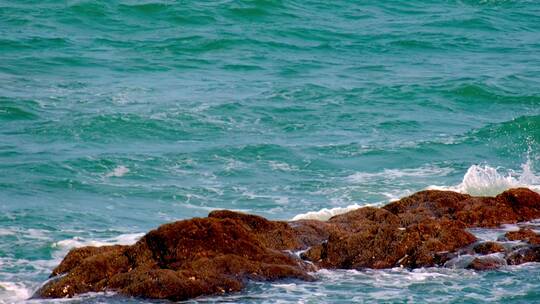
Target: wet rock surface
488	247
185	259
525	235
489	262
220	253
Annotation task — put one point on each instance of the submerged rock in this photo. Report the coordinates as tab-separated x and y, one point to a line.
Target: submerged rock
524	255
489	262
218	254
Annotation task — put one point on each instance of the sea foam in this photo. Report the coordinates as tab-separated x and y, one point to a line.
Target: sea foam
118	172
325	213
483	180
123	239
479	180
12	292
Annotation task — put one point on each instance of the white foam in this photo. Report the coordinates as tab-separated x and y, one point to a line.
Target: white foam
488	181
287	287
11	292
4	232
325	213
119	171
123	239
479	180
393	174
279	166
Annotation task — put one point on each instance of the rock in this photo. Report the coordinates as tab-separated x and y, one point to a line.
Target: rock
76	255
488	247
526	235
374	238
459	261
524	202
184	259
273	234
311	232
219	253
429	203
487	263
524	255
511	206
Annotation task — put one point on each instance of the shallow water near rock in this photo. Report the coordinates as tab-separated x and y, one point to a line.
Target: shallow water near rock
119	116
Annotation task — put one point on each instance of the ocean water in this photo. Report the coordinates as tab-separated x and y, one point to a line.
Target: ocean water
118	116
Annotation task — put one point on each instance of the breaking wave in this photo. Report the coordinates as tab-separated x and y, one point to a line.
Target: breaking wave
483	180
123	239
325	213
479	180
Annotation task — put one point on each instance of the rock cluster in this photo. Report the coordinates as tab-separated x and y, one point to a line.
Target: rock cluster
219	253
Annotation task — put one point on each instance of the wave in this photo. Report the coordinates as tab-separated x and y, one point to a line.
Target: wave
123	239
483	180
479	180
395	174
119	171
325	213
17	289
11	292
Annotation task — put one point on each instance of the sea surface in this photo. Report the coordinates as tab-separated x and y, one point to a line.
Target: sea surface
119	116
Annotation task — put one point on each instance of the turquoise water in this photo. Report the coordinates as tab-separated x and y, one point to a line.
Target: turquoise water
118	116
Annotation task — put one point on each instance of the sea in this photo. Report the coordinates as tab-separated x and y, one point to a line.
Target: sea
118	116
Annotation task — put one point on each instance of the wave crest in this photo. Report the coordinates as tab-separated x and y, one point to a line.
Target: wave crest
479	180
483	180
326	213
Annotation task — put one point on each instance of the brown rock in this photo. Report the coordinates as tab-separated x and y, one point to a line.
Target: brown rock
486	263
511	206
217	254
273	234
311	232
524	255
76	255
373	238
485	212
526	235
430	203
488	247
184	259
524	202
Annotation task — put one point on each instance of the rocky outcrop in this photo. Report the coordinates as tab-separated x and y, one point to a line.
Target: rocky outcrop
376	238
220	253
512	206
185	259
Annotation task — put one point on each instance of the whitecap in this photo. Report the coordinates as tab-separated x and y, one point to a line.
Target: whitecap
13	292
325	213
484	180
123	239
4	232
393	174
119	171
279	166
478	180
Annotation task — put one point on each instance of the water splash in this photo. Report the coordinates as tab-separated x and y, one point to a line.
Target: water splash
123	239
326	213
479	180
484	180
13	292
